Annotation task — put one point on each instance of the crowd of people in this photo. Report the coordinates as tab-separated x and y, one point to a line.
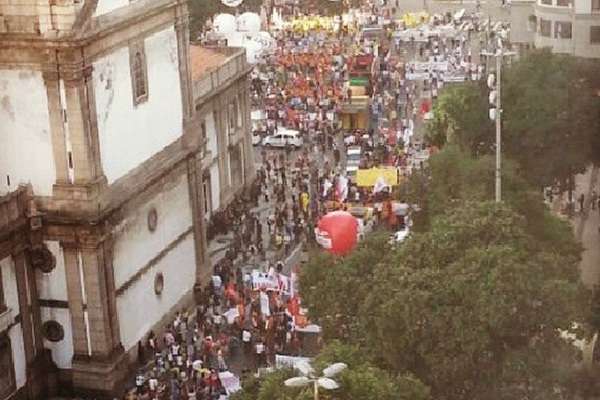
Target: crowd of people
245	317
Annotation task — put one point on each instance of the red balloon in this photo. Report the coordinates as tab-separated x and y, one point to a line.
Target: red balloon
337	232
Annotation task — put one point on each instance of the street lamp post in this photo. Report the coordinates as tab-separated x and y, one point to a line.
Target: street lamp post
308	377
495	83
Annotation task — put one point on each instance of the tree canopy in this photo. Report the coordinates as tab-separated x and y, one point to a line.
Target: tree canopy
361	381
551	117
471	307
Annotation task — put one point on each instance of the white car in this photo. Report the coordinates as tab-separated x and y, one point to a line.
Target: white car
284	138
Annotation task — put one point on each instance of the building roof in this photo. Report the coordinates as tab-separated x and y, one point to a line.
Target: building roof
203	59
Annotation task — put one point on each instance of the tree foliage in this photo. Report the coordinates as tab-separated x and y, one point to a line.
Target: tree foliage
551	117
361	381
460	115
471	307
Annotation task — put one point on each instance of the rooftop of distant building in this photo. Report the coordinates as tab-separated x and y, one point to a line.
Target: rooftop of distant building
204	58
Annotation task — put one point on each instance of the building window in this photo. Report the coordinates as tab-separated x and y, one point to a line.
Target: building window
206	192
595	34
562	30
239	111
231	117
203	129
546	2
7	370
595	5
2	300
139	73
545	27
235	166
563	3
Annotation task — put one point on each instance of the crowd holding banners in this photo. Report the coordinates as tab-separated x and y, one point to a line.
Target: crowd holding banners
302	84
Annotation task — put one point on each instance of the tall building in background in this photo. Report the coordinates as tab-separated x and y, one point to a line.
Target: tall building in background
101	187
568	26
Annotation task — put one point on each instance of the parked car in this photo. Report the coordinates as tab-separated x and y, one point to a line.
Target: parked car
284	138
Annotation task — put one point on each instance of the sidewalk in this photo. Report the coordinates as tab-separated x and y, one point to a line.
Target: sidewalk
585	225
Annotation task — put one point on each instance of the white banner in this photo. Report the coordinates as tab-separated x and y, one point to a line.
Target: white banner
264	304
282	361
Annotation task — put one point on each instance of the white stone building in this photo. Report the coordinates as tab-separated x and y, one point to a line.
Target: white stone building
102	183
568	26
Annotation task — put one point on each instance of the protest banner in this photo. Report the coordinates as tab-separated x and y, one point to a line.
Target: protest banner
368	177
282	361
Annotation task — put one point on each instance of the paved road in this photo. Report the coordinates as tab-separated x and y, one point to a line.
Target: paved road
587	228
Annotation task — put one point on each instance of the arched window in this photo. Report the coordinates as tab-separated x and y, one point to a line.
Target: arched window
139	78
138	75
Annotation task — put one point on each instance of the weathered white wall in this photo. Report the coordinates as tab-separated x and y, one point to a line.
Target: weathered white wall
131	134
18	349
139	308
135	245
583	6
53	286
62	352
215	186
106	6
9	284
25	141
11	297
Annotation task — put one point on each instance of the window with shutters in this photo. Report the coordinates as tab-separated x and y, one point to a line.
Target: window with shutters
595	5
139	73
545	27
595	34
562	30
231	117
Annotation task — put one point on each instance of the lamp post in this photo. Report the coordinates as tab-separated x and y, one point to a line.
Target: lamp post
495	84
308	377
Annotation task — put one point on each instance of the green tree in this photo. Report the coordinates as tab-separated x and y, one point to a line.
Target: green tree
550	117
466	295
472	307
361	381
333	288
460	115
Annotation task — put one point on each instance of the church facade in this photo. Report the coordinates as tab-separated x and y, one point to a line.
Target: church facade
104	161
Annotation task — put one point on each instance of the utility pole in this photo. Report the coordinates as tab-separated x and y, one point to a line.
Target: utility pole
498	125
495	84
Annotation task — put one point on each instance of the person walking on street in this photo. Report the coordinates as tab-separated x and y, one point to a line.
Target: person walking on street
581	202
594	199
